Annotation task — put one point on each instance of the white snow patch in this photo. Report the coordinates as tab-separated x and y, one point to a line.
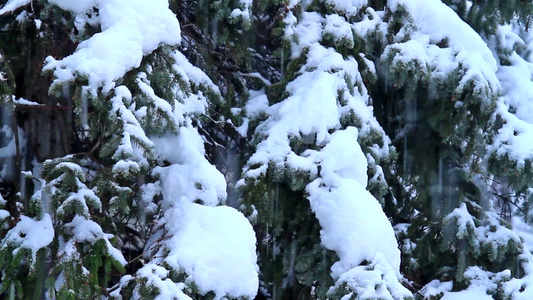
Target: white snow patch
215	246
13	5
473	292
130	30
30	234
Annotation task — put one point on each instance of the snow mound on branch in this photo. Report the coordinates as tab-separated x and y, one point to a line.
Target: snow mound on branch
130	30
84	230
473	292
215	246
368	251
13	5
30	234
464	51
338	199
158	276
440	22
190	177
328	89
515	107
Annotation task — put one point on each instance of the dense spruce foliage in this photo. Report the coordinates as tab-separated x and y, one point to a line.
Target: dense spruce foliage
266	149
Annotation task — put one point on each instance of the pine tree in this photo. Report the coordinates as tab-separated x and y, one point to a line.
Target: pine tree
295	177
137	102
378	148
454	239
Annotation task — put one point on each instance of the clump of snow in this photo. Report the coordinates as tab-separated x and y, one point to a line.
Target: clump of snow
245	7
214	246
473	292
84	230
231	270
158	277
338	198
327	89
22	101
436	288
130	30
515	107
522	288
190	177
464	51
463	220
13	5
30	234
439	22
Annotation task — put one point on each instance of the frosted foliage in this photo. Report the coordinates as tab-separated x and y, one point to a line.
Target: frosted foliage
84	230
340	201
130	30
435	288
522	288
213	246
132	130
494	234
435	22
12	5
80	198
438	22
482	285
515	107
327	89
463	220
190	177
157	276
243	11
190	103
348	7
374	281
473	292
339	29
313	95
489	233
30	234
